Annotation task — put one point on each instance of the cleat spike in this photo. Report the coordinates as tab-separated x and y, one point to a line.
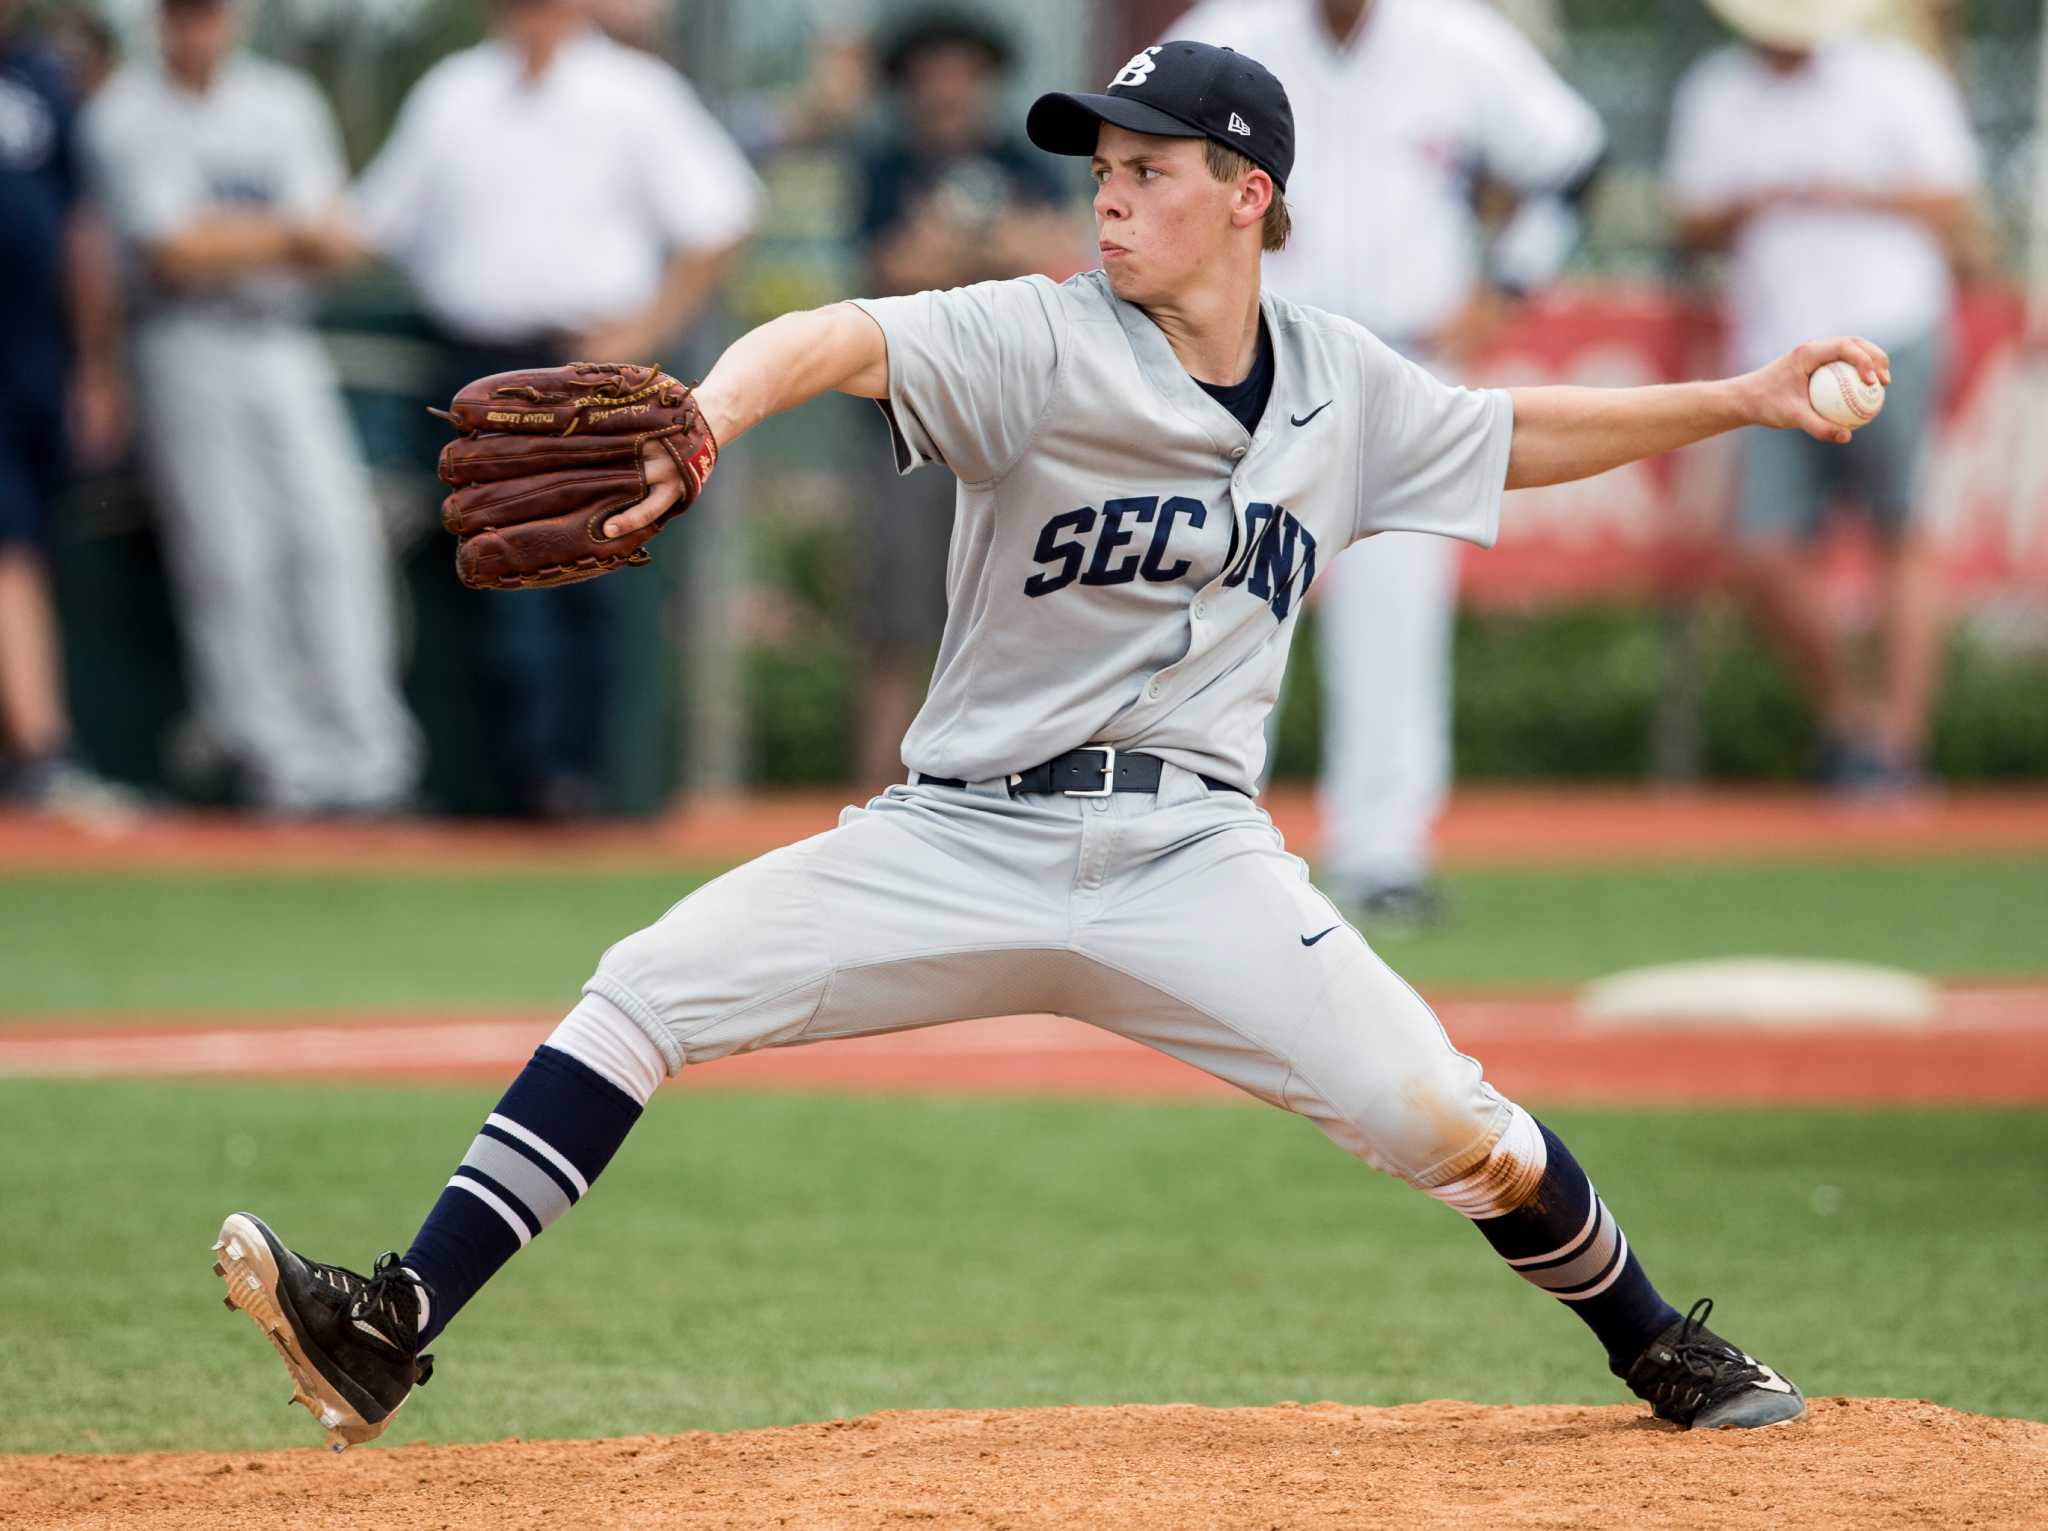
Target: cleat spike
229	1304
220	1269
322	1320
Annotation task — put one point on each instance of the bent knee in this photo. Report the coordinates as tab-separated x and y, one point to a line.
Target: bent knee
735	966
1427	1128
1503	1175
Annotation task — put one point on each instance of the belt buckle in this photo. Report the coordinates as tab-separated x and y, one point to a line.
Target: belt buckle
1108	774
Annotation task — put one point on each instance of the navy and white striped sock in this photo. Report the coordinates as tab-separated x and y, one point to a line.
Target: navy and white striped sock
1540	1213
552	1134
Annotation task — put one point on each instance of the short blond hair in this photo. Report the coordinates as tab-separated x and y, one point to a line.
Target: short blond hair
1226	164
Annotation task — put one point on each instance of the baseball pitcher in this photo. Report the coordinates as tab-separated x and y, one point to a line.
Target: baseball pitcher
1156	461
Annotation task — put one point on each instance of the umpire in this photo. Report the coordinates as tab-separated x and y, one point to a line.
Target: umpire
530	242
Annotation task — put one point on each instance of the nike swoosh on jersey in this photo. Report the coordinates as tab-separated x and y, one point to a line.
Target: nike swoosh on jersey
1304	419
1311	940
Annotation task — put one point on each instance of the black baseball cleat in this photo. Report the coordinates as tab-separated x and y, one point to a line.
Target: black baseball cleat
347	1340
1693	1377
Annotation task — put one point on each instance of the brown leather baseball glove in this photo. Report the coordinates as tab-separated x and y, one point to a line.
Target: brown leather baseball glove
546	456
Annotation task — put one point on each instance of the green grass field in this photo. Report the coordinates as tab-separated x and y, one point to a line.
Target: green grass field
277	943
753	1261
756	1260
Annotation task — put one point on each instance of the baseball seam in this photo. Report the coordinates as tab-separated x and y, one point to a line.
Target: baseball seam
1852	398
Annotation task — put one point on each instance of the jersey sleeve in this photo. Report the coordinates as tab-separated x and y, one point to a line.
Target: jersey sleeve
53	94
700	189
1219	23
1432	458
1932	145
319	169
971	373
881	175
393	197
1534	131
149	191
1698	175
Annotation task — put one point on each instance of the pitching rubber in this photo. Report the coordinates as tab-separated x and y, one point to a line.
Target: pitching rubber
244	1261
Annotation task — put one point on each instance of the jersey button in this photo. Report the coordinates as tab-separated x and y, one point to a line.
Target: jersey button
1201	610
1152	691
1237	454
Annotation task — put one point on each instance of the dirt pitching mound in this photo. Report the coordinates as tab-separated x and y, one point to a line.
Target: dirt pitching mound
1853	1462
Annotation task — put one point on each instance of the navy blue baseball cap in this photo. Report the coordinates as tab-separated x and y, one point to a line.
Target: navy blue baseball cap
1178	90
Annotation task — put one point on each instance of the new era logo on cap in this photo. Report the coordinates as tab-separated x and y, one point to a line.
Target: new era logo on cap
1178	90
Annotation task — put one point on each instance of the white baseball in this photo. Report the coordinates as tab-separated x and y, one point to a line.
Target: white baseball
1841	397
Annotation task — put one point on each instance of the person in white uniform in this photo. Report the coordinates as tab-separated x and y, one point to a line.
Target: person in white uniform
1139	515
554	195
1838	173
1406	107
221	173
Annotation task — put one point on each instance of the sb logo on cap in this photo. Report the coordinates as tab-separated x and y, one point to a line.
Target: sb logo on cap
1136	71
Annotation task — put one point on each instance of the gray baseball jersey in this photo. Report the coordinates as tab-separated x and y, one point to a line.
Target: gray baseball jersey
1128	565
260	139
286	616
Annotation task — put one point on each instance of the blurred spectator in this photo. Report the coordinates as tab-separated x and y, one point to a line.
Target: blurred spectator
60	384
84	43
836	92
637	24
1934	25
221	173
1406	112
555	196
1836	169
951	196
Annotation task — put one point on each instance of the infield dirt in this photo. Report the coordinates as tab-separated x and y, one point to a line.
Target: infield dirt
1867	1462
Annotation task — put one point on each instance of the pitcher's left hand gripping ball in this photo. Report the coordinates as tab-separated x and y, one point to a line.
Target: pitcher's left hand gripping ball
546	456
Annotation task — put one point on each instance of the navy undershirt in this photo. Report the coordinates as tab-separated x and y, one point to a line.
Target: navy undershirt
1247	400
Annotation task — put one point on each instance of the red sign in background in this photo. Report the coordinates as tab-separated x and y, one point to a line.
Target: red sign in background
1659	526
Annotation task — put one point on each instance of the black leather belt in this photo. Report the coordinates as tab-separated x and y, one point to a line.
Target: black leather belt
1095	771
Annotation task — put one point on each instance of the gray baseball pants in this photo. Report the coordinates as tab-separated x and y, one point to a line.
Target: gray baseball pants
1175	918
282	575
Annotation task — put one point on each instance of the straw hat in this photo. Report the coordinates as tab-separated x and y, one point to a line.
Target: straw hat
1794	23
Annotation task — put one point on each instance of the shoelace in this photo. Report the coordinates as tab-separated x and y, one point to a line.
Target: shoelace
1705	1356
389	1301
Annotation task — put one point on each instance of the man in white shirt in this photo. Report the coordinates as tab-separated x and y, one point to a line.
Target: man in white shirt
1836	170
221	174
554	196
1405	106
